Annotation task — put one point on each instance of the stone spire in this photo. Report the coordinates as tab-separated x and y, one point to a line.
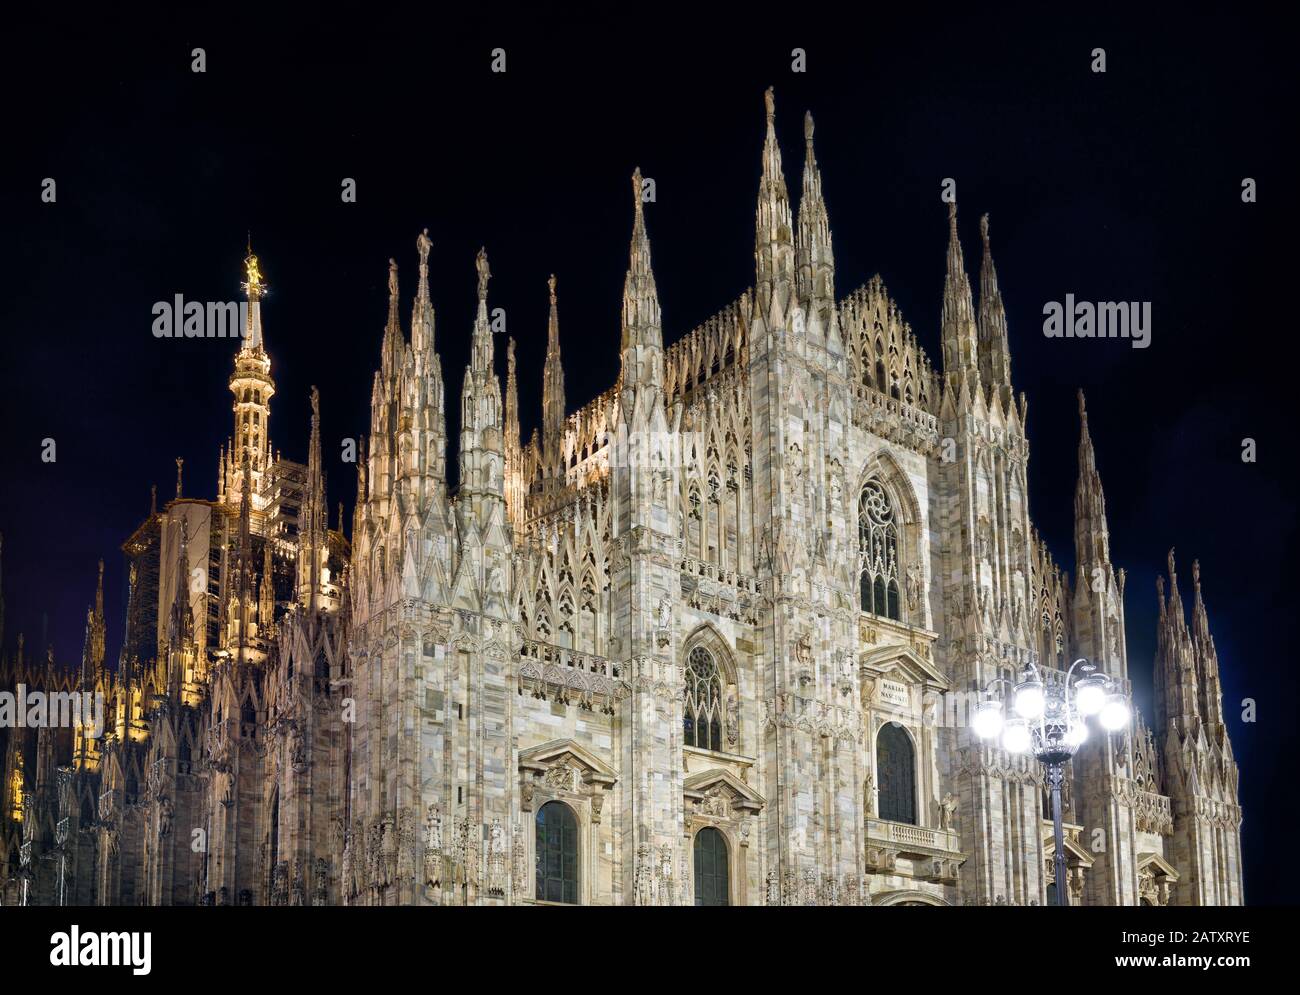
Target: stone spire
1175	685
1207	659
422	317
994	352
774	257
514	471
312	540
252	388
481	456
642	339
1091	534
481	351
552	377
814	253
394	340
92	657
960	350
512	396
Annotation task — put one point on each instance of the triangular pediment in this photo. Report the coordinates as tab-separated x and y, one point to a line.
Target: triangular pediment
903	664
701	783
1072	849
1158	864
561	751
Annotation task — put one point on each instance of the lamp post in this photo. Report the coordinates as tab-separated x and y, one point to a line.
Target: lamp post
1050	718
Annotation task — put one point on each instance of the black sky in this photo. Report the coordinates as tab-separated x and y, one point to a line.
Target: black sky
1122	186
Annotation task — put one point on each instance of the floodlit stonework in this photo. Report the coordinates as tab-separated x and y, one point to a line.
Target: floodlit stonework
711	638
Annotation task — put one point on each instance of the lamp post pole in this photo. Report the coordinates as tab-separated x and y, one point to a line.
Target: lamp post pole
1051	721
1055	775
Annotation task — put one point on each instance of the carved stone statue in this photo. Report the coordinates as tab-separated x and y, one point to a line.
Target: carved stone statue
496	870
484	273
947	811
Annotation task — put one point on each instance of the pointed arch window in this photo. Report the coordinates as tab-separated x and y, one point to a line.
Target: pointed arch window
896	774
878	549
702	712
712	877
557	854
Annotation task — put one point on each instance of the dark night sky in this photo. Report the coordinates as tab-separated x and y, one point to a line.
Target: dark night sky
1122	186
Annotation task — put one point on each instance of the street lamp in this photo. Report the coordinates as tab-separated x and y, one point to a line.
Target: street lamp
1050	717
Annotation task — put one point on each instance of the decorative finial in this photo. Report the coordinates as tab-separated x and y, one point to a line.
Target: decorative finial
952	217
392	279
769	101
484	273
510	355
254	286
1172	574
423	245
551	284
180	463
153	500
984	230
1196	573
808	127
315	402
1083	410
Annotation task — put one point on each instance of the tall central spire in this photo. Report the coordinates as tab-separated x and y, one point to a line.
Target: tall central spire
253	388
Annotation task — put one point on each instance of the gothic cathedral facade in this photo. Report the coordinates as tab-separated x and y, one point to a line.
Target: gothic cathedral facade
709	639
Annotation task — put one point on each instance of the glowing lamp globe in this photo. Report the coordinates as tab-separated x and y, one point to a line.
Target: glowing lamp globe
1015	737
1076	734
1029	699
1114	714
1090	696
987	720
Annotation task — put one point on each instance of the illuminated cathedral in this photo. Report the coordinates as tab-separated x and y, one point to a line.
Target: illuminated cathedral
702	640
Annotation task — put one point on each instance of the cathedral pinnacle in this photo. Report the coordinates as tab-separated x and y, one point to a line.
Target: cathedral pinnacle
773	229
553	375
960	348
813	248
642	338
994	349
422	310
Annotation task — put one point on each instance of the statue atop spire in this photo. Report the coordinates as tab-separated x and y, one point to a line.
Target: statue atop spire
484	273
423	245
